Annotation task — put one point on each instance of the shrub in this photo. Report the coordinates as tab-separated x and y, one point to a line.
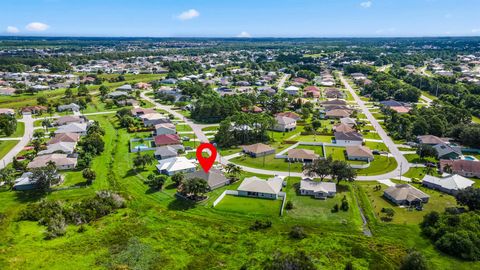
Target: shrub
258	225
335	208
298	232
289	205
344	206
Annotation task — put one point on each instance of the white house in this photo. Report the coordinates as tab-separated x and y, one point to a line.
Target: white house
284	124
348	138
171	166
450	184
256	187
79	128
319	190
292	90
165	128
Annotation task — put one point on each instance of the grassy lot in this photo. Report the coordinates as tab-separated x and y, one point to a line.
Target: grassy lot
183	127
182	235
18	132
314	138
371	135
6	146
337	153
268	163
414	158
211	128
250	206
380	165
229	151
438	202
318	149
377	146
419	173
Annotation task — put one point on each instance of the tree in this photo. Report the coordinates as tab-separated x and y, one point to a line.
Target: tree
469	197
103	90
194	187
426	151
414	260
7	175
82	90
42	100
319	168
316	124
45	177
68	93
155	181
178	178
93	143
341	170
38	134
143	160
234	171
46	123
8	124
89	175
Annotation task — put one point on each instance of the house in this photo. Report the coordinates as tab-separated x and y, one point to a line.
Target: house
258	150
256	187
7	91
343	128
142	85
405	194
334	93
117	94
33	109
348	121
450	184
446	151
359	152
69	107
463	167
333	102
348	138
124	88
289	114
399	107
165	128
79	128
167	139
301	155
319	190
152	119
168	151
430	140
60	147
62	161
311	91
25	182
300	80
7	111
214	178
337	113
68	119
292	90
284	124
168	81
358	76
64	137
171	166
137	112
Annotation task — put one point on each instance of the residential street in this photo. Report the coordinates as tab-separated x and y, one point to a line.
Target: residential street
282	81
27	136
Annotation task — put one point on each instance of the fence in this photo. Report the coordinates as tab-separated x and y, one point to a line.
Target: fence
141	149
226	192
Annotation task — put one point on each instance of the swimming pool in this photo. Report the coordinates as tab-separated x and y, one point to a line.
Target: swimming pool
469	158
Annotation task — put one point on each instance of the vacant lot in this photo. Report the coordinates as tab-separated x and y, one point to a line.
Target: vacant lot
250	206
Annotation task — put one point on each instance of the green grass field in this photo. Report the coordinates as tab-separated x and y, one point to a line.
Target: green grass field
6	146
380	165
18	132
249	206
318	149
267	163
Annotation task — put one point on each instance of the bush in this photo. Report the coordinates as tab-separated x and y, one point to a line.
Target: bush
344	206
414	260
297	260
298	232
335	208
289	205
258	225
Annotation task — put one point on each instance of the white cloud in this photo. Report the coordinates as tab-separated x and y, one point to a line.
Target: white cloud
244	34
366	4
37	27
12	30
188	15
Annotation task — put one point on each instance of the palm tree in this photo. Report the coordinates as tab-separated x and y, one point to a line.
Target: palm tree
46	123
233	170
7	176
448	169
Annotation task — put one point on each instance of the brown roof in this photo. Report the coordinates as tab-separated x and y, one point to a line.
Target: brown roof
401	192
400	109
64	137
429	139
334	102
301	154
348	136
338	113
58	159
343	128
167	139
359	151
289	114
137	111
257	148
461	165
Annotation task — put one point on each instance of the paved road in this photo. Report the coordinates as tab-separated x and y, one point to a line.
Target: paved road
27	135
403	164
282	81
197	128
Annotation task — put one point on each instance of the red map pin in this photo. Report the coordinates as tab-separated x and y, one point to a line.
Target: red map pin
206	163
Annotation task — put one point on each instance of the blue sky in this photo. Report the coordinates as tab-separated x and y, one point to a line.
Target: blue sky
230	18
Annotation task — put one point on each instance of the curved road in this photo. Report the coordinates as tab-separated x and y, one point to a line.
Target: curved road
27	136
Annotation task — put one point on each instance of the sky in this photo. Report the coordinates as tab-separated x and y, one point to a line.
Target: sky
240	18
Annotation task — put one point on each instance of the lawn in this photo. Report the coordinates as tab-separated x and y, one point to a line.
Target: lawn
380	165
182	127
6	146
314	138
249	206
415	158
337	153
371	135
377	146
211	128
318	149
419	173
18	132
438	202
267	163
